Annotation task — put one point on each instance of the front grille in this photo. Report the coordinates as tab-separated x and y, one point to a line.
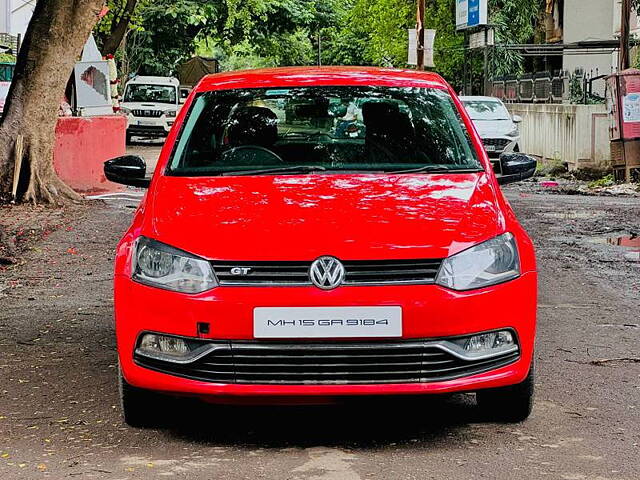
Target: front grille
499	143
253	362
358	272
147	113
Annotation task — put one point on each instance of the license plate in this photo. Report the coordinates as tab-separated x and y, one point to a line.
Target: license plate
146	122
327	322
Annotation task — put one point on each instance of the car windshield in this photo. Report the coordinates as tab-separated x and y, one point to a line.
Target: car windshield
486	110
150	93
307	129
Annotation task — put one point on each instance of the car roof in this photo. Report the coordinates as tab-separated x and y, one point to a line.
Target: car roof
320	76
479	98
148	80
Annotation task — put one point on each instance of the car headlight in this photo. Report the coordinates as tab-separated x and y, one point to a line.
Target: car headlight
125	110
514	133
491	262
159	265
171	113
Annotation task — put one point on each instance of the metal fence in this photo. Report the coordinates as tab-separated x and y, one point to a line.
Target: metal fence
548	87
542	87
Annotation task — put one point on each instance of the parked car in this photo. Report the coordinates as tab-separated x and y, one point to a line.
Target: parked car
4	91
497	127
272	260
151	105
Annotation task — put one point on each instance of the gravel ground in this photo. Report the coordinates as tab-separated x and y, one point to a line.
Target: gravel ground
58	396
149	149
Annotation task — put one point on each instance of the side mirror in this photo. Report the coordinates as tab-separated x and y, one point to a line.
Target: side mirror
517	119
127	170
515	167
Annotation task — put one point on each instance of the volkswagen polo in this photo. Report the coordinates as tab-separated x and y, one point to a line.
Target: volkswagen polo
316	233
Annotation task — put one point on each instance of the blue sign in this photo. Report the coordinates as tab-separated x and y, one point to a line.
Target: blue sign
471	13
474	13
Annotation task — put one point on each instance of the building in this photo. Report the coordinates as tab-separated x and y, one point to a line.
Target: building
588	32
561	95
15	16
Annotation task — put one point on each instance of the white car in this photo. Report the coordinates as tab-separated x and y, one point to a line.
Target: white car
151	104
497	128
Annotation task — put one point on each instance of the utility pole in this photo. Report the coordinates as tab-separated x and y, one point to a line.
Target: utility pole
623	57
487	78
420	33
319	47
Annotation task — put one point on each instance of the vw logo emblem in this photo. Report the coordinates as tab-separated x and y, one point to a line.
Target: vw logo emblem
327	273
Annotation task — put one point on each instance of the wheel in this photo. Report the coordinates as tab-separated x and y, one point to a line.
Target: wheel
141	408
509	404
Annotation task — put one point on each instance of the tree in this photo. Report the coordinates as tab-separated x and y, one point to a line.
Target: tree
168	31
117	23
240	34
449	54
371	32
515	22
54	39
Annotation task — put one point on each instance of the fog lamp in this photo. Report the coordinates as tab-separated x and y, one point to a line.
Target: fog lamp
488	344
162	345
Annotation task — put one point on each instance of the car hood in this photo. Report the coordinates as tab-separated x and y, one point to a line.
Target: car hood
302	217
493	128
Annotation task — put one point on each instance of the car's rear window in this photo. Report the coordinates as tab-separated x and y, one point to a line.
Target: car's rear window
336	128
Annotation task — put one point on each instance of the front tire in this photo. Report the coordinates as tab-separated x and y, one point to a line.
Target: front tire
140	408
510	404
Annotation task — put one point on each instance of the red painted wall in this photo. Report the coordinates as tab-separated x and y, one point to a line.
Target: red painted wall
83	144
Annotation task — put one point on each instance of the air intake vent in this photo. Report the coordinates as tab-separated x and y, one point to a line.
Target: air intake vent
253	362
358	272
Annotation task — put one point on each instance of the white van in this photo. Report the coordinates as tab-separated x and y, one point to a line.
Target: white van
151	104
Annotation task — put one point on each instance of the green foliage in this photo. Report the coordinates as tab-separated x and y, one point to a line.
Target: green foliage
576	92
258	33
105	25
605	181
383	26
449	44
243	32
167	34
7	58
514	22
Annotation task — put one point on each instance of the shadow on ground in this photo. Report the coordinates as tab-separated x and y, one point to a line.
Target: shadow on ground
354	423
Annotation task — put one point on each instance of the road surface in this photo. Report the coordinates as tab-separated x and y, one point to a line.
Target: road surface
59	414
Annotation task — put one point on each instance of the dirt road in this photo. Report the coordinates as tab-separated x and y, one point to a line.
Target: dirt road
58	397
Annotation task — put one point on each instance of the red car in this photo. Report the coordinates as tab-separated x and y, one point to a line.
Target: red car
279	257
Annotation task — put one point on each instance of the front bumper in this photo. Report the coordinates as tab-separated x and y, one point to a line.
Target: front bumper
496	146
149	127
429	312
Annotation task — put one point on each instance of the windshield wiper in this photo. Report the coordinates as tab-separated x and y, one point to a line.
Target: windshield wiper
305	134
290	169
437	169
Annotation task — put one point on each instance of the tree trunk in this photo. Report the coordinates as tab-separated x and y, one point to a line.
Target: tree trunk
54	40
119	29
